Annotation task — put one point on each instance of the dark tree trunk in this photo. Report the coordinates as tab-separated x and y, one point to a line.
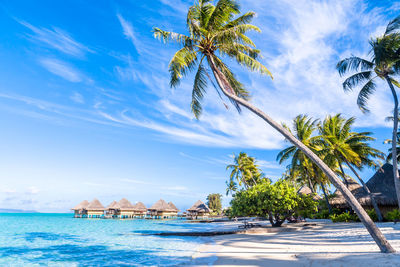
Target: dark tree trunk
326	198
394	140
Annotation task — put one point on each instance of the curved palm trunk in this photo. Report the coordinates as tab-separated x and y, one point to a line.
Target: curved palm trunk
366	189
326	198
394	139
374	231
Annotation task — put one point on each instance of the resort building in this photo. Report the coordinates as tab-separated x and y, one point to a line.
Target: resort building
198	210
139	210
381	186
111	210
305	190
173	207
124	209
162	210
80	209
95	209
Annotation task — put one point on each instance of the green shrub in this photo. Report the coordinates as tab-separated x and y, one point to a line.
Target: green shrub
372	214
344	217
322	214
393	215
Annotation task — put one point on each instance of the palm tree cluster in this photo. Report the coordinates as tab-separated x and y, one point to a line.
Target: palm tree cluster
216	29
337	144
384	63
244	172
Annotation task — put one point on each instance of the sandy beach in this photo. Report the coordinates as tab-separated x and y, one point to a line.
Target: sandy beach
325	244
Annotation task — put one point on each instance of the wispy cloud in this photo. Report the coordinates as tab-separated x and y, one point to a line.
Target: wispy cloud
57	39
77	98
128	30
62	69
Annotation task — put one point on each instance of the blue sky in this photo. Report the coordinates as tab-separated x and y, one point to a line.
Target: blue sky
86	109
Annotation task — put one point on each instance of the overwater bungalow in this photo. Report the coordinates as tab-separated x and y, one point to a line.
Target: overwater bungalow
125	209
140	210
162	210
111	210
381	186
173	207
95	209
198	210
80	209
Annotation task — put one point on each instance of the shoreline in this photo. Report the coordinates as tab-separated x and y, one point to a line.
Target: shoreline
327	244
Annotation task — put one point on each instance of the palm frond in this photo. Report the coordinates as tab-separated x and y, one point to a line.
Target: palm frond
364	95
244	19
199	86
353	64
223	12
172	36
181	63
393	25
356	79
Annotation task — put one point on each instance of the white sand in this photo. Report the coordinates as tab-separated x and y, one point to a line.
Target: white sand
327	244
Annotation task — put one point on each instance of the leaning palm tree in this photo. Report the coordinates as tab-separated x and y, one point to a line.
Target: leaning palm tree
342	145
384	64
214	31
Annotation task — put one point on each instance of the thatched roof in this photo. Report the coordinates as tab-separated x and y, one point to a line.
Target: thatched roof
81	205
161	205
381	186
124	204
172	206
199	206
112	205
95	205
140	207
305	190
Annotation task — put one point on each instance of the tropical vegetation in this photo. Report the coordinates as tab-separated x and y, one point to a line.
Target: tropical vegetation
214	202
276	201
217	29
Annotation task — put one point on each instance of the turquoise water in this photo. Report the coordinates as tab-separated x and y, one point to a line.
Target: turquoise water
60	240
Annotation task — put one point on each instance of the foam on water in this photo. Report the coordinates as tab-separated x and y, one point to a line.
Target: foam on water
60	240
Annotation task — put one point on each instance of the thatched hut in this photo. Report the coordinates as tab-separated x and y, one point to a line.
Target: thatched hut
173	207
125	209
112	209
162	210
199	209
140	209
305	190
80	209
95	209
381	186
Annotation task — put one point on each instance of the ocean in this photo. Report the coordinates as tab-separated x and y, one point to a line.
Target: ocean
42	239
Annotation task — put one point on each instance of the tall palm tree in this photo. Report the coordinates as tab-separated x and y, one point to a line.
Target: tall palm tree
245	171
219	30
384	63
303	130
342	145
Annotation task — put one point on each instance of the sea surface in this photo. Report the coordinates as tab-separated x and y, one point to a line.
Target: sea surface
41	239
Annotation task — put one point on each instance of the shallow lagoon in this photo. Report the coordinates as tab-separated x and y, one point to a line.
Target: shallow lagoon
61	240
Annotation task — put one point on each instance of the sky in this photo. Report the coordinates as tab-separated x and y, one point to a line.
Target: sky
86	109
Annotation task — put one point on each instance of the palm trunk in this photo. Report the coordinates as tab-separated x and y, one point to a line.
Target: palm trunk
394	139
374	231
366	189
343	174
326	198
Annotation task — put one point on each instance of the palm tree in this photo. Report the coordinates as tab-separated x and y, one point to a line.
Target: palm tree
245	171
218	30
304	128
390	155
384	64
231	187
341	145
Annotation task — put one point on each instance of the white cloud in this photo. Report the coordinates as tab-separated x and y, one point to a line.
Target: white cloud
77	98
128	30
62	69
57	39
33	190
